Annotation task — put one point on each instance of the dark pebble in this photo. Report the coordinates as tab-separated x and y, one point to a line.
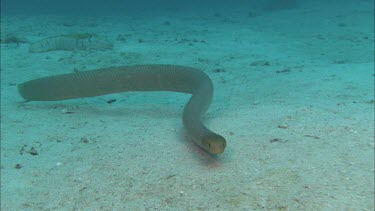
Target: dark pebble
33	151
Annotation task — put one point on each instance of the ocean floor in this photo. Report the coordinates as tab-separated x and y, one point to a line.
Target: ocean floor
294	97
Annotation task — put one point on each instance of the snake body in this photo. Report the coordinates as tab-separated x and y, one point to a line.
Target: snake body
136	78
71	42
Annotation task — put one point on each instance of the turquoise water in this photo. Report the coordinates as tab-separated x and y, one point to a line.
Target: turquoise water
293	96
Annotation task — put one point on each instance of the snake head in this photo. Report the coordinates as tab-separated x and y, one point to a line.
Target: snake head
214	143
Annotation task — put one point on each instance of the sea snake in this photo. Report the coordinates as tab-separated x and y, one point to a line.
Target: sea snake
136	78
71	42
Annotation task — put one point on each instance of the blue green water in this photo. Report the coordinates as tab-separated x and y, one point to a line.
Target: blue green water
293	96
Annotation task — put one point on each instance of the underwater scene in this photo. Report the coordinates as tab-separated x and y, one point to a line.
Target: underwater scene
187	105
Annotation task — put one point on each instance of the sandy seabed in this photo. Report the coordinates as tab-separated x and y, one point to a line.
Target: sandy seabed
293	96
